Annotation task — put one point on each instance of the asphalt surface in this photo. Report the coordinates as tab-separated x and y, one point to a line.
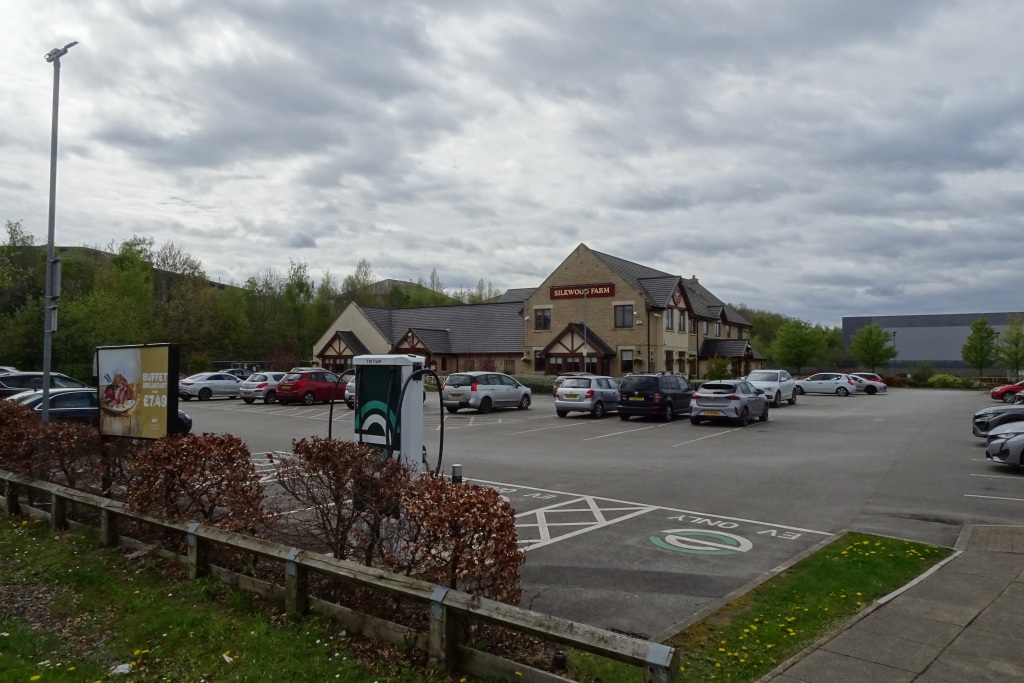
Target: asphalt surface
636	526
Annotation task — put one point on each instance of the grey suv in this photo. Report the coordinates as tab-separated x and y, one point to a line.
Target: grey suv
484	391
654	394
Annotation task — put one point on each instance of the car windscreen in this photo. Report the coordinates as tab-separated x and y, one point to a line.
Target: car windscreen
763	376
576	383
292	377
25	397
639	384
460	380
717	388
257	378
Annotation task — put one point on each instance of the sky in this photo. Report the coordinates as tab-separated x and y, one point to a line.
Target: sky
814	158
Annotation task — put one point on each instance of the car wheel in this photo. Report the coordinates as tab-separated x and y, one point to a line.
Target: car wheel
185	397
668	413
284	403
205	394
695	420
777	401
270	397
764	415
524	402
308	398
870	391
624	418
1008	397
451	409
798	390
744	419
843	391
249	400
561	413
598	412
485	406
792	399
351	405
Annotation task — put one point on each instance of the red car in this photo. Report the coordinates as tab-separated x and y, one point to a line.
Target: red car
1006	392
310	386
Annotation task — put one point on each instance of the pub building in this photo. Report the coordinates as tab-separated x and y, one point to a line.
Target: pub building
594	312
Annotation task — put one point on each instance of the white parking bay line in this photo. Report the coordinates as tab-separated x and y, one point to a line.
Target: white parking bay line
999	476
709	436
971	495
625	431
541	429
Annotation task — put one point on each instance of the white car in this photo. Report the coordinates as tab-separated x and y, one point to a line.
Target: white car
777	385
827	383
206	385
868	386
261	386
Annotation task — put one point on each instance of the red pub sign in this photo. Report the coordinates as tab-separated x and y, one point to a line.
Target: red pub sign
580	291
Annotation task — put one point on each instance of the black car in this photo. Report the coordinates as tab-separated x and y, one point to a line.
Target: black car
656	394
994	416
12	383
81	405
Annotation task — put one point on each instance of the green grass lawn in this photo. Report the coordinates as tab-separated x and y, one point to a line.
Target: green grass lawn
71	611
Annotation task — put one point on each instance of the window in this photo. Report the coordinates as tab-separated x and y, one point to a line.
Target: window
669	322
626	361
728	331
538	361
718	329
624	317
542	319
682	321
705	326
693	326
510	367
444	363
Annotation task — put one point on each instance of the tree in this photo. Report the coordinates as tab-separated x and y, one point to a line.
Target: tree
17	237
1010	350
174	259
872	346
980	350
797	343
357	286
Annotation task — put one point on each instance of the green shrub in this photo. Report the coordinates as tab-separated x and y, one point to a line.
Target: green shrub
941	381
539	384
718	368
922	372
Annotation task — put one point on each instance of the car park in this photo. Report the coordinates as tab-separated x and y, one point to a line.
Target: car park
310	386
1007	392
868	386
13	383
827	383
261	386
988	418
654	395
561	378
777	385
1009	451
736	401
207	385
587	394
81	405
483	391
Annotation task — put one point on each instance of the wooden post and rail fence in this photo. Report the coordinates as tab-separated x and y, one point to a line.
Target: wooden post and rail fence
660	662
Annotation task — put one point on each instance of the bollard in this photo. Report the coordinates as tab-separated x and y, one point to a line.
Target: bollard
456	474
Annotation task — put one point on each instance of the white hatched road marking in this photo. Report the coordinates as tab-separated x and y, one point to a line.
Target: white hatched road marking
999	476
972	495
541	429
709	436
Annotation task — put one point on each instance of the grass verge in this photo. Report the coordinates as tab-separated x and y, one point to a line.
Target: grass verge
755	633
70	611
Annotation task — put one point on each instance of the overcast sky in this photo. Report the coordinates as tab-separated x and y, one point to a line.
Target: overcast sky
815	158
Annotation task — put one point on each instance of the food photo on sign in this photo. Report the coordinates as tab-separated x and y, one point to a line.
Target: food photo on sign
135	389
119	372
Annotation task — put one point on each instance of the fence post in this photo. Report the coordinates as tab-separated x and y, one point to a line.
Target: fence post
662	664
196	553
296	586
58	509
108	525
13	507
442	646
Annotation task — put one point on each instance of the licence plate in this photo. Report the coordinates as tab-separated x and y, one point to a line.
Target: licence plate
713	412
636	398
246	392
454	395
286	387
571	396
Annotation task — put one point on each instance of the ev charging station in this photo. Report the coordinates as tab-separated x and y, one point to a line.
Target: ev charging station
381	416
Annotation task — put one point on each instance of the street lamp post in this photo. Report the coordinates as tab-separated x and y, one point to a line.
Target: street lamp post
52	271
894	354
586	290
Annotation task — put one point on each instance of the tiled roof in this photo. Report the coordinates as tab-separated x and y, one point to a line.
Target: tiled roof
352	341
471	328
714	305
723	348
516	295
592	339
437	341
634	274
660	289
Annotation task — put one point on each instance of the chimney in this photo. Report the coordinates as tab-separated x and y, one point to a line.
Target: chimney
694	280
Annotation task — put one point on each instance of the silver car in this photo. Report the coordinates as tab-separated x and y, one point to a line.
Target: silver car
483	391
593	394
735	400
868	386
827	383
206	385
1007	451
261	386
777	385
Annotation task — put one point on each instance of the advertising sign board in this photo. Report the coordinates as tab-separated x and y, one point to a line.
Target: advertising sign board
138	389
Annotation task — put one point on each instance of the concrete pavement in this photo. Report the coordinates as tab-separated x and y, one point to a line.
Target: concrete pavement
962	621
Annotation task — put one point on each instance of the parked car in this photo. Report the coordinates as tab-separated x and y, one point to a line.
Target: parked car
261	386
654	394
735	400
310	386
206	385
561	378
350	393
868	375
591	394
240	373
868	386
1006	451
988	418
777	385
1007	392
1004	431
7	368
826	383
16	382
483	391
81	405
